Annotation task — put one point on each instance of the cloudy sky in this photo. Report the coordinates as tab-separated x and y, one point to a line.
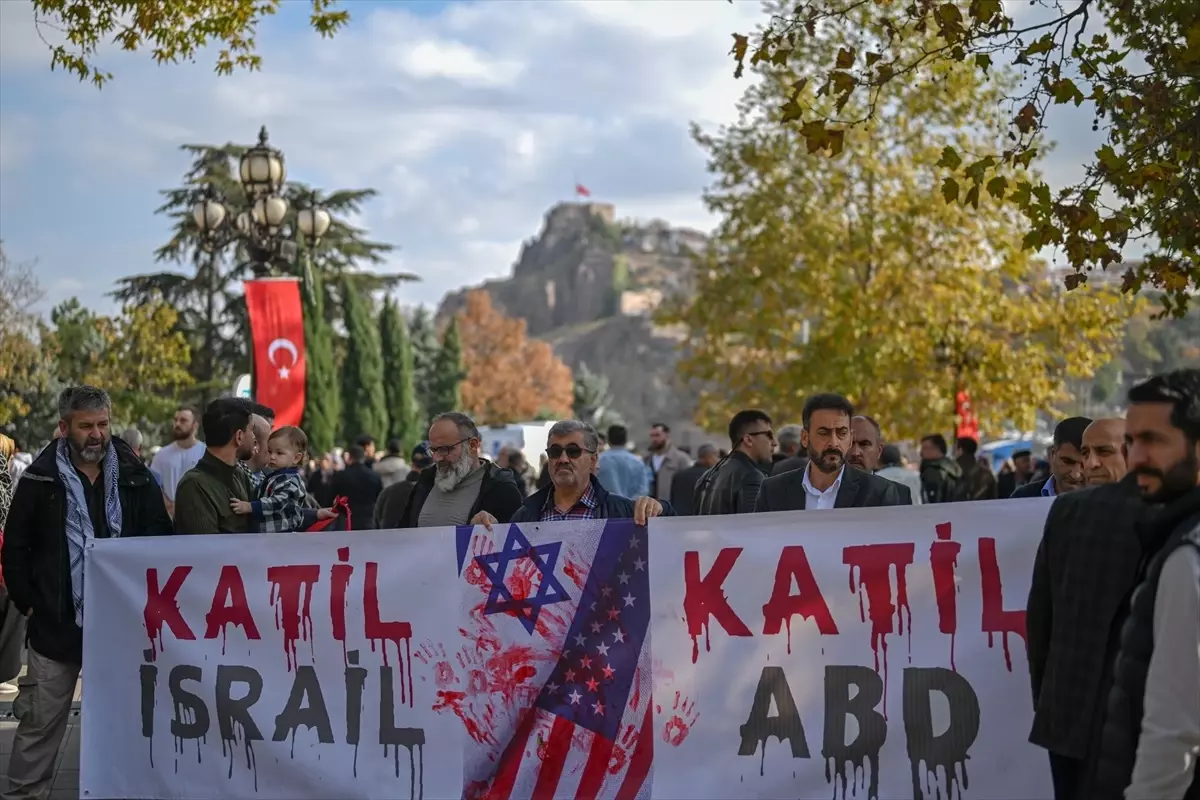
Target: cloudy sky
471	119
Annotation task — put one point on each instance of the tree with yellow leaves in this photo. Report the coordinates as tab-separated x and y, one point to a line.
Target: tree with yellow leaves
510	377
850	274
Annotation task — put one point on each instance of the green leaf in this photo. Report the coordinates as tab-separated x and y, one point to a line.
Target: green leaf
983	61
997	186
1064	90
1042	45
950	190
845	57
972	198
950	158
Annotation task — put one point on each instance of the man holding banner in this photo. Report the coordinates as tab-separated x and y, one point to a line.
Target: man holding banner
87	486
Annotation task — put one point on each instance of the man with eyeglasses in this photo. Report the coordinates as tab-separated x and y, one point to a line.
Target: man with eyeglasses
461	488
731	487
574	492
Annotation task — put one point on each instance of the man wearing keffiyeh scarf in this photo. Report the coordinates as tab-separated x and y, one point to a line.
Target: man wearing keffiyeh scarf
87	485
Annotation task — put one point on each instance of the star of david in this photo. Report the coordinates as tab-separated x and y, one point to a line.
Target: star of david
549	589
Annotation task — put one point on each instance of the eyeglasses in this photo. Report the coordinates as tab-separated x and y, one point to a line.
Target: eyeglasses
573	451
447	449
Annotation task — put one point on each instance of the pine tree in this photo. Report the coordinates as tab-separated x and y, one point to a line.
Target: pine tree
365	404
398	376
322	398
446	382
422	335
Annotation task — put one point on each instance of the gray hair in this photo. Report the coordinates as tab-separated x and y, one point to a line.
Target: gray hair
708	448
82	398
466	425
132	437
591	439
789	435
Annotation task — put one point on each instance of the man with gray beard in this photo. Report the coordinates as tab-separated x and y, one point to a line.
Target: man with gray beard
461	488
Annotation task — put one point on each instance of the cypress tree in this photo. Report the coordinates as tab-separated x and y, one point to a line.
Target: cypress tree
424	339
322	398
447	380
363	398
398	376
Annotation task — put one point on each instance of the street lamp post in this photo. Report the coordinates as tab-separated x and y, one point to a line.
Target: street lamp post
261	226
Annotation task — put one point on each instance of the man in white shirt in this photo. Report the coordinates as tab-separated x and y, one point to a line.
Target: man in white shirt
172	461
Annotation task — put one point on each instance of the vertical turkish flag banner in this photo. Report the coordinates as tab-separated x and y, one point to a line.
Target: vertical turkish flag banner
968	423
277	333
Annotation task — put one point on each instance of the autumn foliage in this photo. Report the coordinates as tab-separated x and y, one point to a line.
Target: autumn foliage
510	377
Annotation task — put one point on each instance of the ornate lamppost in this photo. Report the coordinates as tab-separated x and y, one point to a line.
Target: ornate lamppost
261	227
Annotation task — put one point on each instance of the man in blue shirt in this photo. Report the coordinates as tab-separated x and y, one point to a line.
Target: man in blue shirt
619	470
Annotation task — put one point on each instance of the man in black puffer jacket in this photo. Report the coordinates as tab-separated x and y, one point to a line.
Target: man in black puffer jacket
731	487
1151	737
86	485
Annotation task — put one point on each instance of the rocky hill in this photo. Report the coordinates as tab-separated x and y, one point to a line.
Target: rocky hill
589	284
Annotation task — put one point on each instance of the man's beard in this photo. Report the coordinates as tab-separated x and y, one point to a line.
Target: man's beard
246	451
451	473
1175	482
90	450
181	435
657	447
829	462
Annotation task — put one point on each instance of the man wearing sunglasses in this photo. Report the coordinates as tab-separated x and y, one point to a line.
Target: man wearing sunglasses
461	488
574	492
731	487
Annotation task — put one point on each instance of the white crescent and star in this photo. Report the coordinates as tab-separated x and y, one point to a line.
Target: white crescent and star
276	346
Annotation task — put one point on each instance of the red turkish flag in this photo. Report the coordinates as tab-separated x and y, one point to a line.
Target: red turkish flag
968	423
582	191
277	333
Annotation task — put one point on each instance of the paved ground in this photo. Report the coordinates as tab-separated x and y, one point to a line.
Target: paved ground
66	773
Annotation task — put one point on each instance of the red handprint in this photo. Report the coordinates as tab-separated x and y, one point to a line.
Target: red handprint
680	724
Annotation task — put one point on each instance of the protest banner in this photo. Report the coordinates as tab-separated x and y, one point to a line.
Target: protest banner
874	653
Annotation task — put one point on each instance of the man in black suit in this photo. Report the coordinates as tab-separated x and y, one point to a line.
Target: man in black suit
1066	462
827	482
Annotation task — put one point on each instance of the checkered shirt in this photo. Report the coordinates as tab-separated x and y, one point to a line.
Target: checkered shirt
280	507
585	508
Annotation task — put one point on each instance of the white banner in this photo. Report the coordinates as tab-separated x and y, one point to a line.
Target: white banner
876	653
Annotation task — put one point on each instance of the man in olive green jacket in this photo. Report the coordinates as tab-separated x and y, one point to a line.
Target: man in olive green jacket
203	495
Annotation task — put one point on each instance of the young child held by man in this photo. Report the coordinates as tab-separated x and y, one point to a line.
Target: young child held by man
281	502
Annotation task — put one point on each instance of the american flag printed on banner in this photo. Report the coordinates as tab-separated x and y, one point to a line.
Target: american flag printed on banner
561	613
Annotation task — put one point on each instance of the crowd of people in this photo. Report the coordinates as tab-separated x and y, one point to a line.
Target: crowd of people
1113	615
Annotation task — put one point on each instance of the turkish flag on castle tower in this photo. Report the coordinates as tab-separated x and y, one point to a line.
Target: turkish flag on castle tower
277	333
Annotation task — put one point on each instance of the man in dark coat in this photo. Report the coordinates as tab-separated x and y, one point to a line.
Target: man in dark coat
389	507
360	485
828	482
683	487
732	486
1086	566
86	485
1066	462
461	488
1022	471
1151	738
574	492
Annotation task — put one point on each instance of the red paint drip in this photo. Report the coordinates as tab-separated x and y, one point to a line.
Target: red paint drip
874	563
809	603
704	598
995	618
339	579
229	606
943	559
378	630
287	584
162	608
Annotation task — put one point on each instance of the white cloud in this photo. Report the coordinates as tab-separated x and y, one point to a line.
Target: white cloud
470	122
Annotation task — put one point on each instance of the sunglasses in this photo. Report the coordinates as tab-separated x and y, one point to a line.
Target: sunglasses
573	451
